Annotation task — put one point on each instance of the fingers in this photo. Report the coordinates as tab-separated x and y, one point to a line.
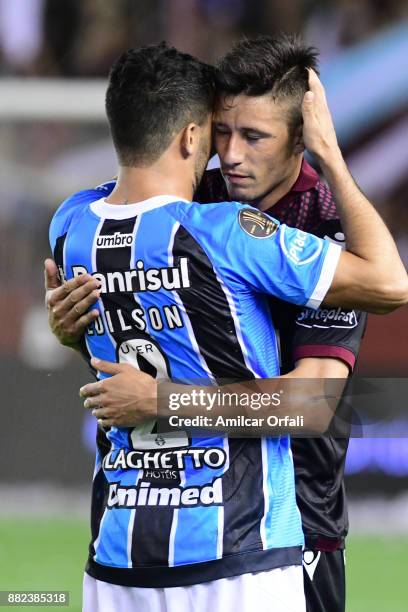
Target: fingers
79	301
83	322
92	389
105	423
316	87
319	135
308	99
76	301
107	418
85	281
93	402
103	417
308	108
314	81
51	275
96	389
100	413
314	101
108	367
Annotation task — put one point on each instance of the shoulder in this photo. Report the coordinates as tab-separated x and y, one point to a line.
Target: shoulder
78	200
226	211
74	205
221	218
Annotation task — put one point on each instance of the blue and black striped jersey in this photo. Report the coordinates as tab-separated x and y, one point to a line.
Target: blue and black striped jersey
184	295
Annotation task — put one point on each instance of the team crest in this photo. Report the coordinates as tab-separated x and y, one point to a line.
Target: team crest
256	223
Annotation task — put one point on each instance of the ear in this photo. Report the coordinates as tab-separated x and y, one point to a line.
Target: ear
298	144
189	139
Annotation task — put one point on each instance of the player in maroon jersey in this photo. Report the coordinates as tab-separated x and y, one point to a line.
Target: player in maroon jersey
262	162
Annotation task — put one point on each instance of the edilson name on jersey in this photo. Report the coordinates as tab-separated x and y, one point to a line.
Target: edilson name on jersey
114	320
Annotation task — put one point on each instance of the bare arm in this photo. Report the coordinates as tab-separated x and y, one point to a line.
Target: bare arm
370	275
130	397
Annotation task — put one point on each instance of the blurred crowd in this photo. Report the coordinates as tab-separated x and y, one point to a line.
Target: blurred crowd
81	38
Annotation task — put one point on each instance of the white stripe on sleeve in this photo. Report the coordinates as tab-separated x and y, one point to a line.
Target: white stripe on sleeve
326	276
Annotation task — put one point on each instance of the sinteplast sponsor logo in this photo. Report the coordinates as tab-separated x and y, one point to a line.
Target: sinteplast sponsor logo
327	317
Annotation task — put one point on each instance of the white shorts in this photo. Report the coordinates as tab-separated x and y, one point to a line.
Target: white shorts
278	590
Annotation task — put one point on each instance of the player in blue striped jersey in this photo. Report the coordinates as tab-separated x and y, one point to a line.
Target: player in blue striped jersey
181	295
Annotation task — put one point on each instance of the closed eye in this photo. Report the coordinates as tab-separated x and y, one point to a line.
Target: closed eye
253	137
221	130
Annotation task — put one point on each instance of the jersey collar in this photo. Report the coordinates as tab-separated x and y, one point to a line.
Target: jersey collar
307	180
101	208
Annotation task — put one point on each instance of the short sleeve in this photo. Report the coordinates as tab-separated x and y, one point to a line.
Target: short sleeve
252	249
329	332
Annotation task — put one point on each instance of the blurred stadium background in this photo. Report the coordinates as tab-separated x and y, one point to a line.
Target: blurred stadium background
54	59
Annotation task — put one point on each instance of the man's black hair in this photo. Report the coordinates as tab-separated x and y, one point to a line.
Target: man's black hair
276	65
153	93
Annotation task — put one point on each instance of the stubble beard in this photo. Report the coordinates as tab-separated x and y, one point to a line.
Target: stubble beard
200	166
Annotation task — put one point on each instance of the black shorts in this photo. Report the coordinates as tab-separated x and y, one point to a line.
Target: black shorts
325	581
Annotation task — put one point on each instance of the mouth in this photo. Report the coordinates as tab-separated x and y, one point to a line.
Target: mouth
235	179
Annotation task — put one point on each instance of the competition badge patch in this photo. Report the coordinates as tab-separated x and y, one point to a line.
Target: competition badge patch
256	223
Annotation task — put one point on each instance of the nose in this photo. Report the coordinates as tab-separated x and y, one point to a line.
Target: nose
230	151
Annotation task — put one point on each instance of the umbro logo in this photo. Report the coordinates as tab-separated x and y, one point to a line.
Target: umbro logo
114	241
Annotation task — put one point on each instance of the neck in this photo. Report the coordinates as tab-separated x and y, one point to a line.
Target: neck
135	184
279	191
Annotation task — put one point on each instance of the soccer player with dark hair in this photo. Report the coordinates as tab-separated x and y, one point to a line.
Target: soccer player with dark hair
173	277
258	136
147	103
